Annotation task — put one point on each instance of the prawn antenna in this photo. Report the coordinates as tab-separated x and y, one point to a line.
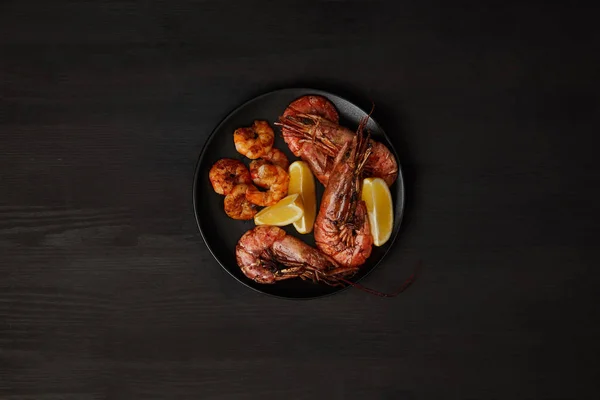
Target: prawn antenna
409	281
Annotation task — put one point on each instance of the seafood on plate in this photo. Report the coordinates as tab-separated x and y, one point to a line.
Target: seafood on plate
267	254
340	159
312	132
342	228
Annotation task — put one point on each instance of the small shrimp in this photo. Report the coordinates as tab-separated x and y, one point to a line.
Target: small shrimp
263	250
277	157
341	227
226	173
255	141
237	206
268	176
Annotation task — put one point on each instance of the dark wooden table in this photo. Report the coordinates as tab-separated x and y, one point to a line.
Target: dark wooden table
107	290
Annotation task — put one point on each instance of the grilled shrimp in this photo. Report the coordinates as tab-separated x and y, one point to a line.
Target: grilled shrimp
342	228
255	141
267	254
317	139
237	206
268	176
226	173
277	157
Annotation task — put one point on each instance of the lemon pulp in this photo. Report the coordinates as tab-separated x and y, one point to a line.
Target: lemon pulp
286	211
378	199
302	182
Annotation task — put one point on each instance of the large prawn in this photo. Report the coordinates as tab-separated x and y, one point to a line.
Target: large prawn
310	128
267	254
342	228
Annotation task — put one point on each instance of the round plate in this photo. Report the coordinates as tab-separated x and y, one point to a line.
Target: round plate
221	233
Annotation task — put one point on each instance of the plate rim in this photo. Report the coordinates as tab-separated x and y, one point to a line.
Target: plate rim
211	136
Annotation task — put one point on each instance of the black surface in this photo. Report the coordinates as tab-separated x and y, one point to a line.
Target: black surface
221	233
107	290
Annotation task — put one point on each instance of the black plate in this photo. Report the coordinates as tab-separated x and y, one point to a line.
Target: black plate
221	233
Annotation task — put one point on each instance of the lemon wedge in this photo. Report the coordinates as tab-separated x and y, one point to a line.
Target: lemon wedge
302	182
286	211
376	194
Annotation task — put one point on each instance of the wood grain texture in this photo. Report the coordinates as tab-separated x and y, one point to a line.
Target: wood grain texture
108	292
